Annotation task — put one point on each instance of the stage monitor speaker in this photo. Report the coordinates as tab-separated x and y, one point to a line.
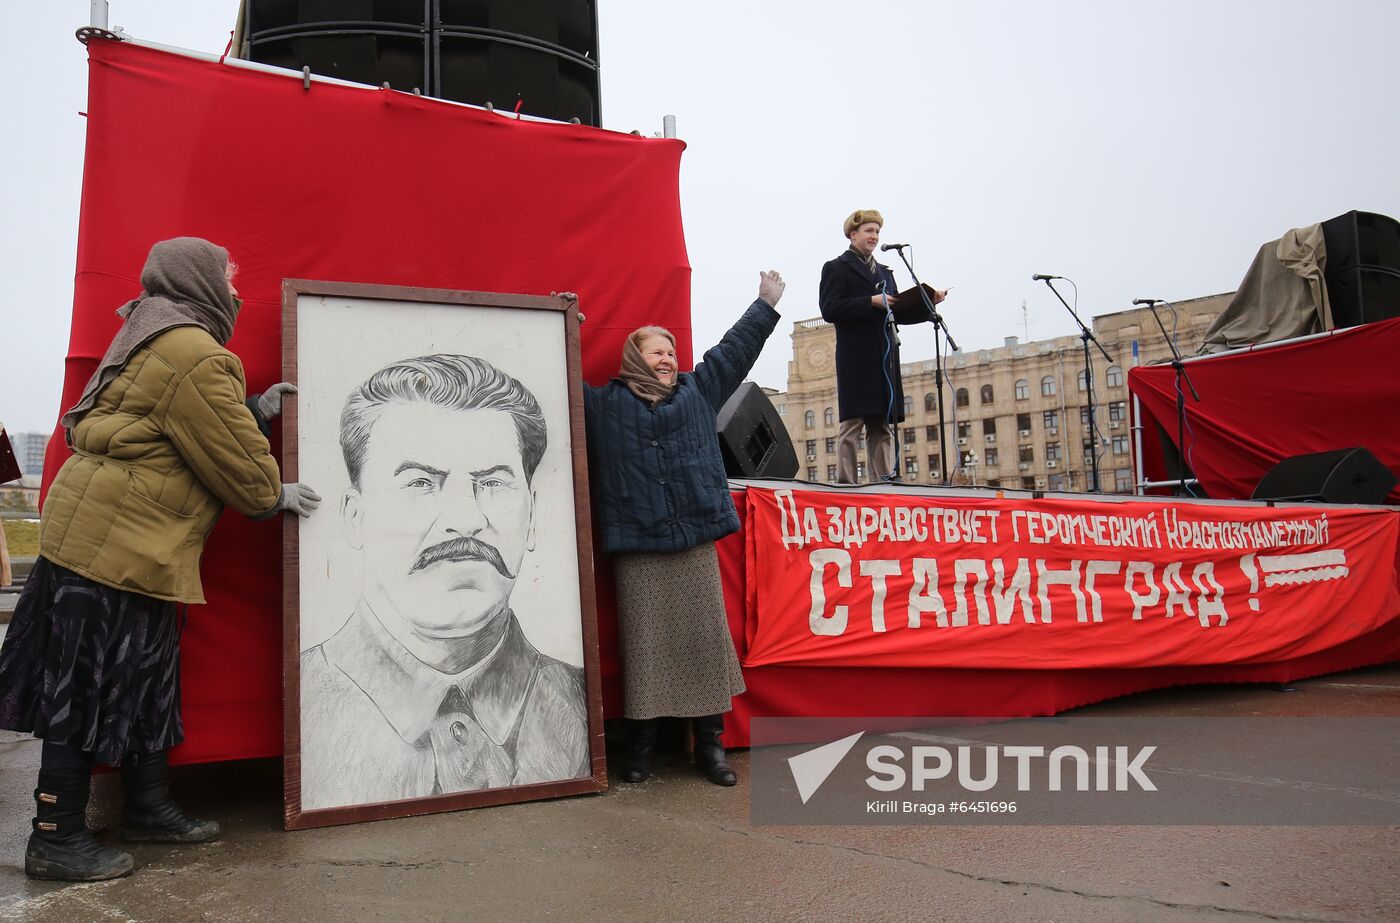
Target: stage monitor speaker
1362	269
1340	476
542	54
752	438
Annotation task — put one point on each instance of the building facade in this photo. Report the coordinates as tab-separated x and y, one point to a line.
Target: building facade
1016	416
29	451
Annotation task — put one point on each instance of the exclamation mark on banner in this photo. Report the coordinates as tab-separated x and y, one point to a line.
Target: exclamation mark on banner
1252	572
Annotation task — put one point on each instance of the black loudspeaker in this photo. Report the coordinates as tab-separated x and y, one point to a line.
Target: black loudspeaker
752	438
540	53
1340	476
1362	271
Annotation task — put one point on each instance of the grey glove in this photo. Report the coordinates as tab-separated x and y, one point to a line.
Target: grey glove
770	287
270	401
298	498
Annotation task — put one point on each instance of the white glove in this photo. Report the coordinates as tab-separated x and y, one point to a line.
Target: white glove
770	287
270	401
298	498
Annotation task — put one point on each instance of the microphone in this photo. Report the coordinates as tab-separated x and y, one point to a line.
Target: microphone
893	246
1041	277
1146	300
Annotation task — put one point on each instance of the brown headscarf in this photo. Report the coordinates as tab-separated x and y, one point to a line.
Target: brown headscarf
635	372
184	284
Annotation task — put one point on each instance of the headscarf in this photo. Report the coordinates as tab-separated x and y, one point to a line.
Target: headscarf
639	377
184	284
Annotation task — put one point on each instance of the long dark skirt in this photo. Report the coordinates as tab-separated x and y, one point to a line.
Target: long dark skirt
91	666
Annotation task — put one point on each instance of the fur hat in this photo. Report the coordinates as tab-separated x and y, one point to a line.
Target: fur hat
859	217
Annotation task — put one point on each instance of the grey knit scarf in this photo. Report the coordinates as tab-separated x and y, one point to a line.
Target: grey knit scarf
184	284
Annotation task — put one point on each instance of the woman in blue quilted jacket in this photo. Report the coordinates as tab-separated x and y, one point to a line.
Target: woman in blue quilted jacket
662	502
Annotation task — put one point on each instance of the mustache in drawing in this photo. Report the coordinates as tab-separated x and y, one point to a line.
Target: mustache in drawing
461	549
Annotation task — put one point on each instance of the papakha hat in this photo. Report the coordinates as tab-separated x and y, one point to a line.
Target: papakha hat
859	217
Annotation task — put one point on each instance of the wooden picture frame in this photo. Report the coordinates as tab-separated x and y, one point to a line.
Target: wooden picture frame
365	736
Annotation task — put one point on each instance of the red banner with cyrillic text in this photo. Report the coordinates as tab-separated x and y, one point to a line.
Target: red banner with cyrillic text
850	579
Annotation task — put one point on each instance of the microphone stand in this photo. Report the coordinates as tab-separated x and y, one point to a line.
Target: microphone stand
1086	335
940	329
1180	368
891	377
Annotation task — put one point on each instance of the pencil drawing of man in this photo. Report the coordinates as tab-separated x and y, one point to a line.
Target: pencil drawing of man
431	687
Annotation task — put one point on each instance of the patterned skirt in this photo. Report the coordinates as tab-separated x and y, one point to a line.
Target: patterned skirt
91	666
678	659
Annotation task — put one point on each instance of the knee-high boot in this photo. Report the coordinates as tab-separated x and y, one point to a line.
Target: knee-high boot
641	741
61	847
148	814
709	750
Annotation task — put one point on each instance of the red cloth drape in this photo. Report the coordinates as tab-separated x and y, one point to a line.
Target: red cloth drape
356	185
1260	407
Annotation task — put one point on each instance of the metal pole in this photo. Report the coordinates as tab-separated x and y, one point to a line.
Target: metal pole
98	14
668	126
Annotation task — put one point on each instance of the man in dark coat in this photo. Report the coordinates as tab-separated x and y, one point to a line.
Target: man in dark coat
868	388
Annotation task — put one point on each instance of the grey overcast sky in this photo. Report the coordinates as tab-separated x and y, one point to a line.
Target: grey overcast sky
1142	149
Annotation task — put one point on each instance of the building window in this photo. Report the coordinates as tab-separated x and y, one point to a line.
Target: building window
782	410
1123	480
1023	424
860	472
1118	411
1028	483
910	434
933	462
860	440
1027	454
1115	377
987	395
1057	482
989	426
831	472
964	429
1051	419
1079	381
828	417
908	406
991	457
929	401
1052	451
811	447
911	465
1088	451
1048	387
930	433
811	474
993	482
830	444
809	419
960	398
1120	445
1084	416
1023	390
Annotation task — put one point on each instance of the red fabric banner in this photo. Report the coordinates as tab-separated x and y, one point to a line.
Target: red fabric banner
1259	407
917	581
355	185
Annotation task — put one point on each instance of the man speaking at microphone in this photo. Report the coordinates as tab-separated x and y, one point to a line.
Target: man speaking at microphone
868	389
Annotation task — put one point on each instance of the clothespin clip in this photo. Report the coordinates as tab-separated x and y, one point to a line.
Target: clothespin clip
306	78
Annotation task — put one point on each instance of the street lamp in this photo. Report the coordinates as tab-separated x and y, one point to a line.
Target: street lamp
970	463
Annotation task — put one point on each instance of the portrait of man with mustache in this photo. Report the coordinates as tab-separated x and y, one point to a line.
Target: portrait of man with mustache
431	686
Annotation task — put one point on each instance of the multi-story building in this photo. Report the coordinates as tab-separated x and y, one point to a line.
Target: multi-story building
1016	415
29	451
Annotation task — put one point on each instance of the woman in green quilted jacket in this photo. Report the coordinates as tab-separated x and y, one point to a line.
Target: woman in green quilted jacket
162	440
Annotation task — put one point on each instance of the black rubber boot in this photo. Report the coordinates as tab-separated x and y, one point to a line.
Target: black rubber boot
641	742
61	847
709	750
148	814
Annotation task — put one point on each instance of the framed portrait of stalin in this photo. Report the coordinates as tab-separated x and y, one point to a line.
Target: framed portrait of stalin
440	647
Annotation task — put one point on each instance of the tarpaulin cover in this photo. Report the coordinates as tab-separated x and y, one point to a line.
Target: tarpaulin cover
354	185
1262	406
